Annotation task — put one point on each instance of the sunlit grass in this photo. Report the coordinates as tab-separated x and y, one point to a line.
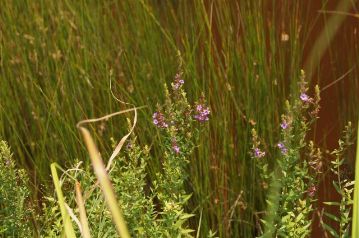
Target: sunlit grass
355	224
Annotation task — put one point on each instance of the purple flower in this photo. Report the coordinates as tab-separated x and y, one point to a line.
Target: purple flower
282	148
284	125
258	153
176	149
202	113
178	82
129	146
175	146
159	120
304	97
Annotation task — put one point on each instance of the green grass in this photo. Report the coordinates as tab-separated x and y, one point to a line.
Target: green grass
57	59
69	230
355	224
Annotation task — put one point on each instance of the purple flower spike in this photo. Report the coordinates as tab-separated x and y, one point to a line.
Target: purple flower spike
202	113
159	120
258	153
282	148
178	82
304	97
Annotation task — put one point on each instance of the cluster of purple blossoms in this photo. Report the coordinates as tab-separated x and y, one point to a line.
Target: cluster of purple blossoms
178	82
202	113
284	124
159	120
282	148
304	97
258	153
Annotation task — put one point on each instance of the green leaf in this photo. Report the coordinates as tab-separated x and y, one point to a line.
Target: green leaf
299	217
330	230
186	216
336	186
186	231
332	203
331	216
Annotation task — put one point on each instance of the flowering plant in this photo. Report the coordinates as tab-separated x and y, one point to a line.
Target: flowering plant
155	209
297	180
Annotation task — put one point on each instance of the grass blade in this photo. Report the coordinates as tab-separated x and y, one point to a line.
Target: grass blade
69	230
326	36
83	217
105	184
355	224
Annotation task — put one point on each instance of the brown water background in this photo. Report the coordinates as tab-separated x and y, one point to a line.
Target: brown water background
337	60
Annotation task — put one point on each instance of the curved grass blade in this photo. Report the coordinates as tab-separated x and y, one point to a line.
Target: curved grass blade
105	184
123	139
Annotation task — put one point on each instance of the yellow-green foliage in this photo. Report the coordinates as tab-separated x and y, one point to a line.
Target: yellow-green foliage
15	213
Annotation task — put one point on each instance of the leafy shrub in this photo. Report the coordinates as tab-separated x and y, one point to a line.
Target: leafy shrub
15	212
150	211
